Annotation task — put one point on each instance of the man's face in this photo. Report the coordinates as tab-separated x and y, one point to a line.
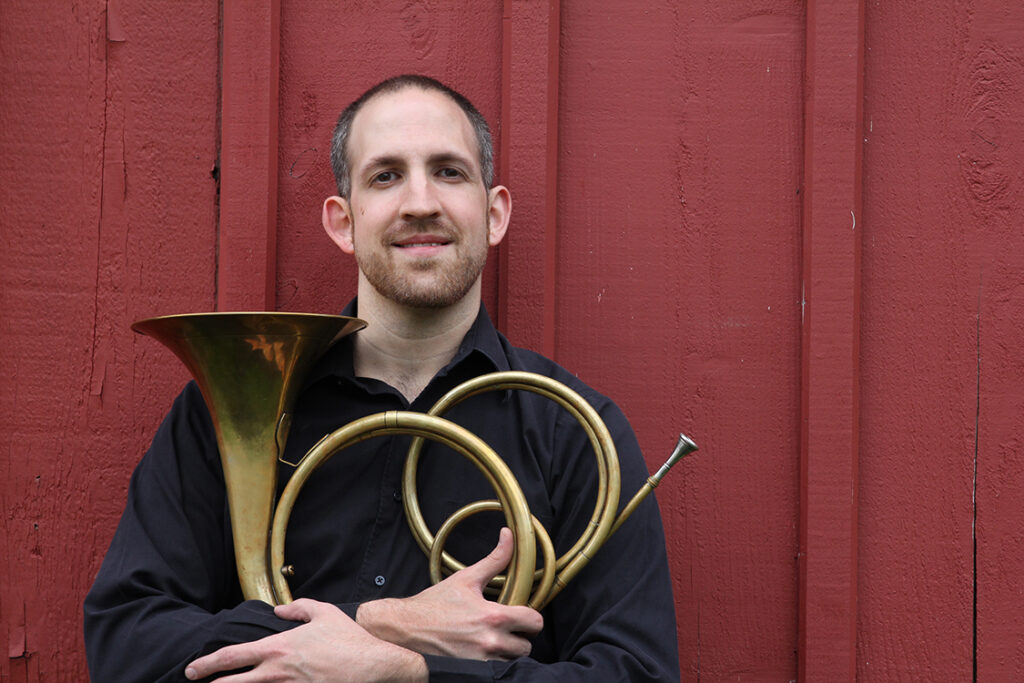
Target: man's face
419	219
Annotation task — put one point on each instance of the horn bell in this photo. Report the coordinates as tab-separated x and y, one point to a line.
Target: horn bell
249	368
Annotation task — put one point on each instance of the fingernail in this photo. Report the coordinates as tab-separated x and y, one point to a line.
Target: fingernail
190	674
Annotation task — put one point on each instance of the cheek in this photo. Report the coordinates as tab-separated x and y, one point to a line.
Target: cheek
368	223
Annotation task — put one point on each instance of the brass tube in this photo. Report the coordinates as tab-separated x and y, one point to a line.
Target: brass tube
684	447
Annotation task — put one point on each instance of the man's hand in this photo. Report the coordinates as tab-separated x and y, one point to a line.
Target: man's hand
454	618
328	647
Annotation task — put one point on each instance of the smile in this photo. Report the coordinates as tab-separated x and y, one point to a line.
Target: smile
423	240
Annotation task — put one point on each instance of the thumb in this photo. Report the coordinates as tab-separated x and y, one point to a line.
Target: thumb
492	565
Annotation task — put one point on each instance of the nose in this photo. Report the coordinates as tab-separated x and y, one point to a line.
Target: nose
419	199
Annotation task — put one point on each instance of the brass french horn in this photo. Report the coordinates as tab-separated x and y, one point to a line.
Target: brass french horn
250	367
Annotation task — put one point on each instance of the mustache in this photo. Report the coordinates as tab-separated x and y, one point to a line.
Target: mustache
408	228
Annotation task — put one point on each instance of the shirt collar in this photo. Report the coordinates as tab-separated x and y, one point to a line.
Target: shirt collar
482	342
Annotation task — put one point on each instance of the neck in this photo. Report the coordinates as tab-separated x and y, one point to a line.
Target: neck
405	347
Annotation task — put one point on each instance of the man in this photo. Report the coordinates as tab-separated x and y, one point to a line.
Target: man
416	208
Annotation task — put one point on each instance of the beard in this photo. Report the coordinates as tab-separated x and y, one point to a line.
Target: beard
426	283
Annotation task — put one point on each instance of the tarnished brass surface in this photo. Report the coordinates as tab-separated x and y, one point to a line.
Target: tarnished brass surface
250	366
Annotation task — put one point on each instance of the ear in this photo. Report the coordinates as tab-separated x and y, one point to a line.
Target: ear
498	214
337	220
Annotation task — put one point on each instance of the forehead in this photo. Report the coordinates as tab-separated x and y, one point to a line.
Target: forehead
410	123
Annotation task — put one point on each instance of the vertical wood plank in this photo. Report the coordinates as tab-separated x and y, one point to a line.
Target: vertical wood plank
107	207
679	285
989	150
831	345
529	166
247	250
919	347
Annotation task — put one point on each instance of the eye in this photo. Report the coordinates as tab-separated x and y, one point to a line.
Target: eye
450	173
384	178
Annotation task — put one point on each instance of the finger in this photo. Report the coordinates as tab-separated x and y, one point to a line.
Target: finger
224	659
300	610
492	565
512	647
525	620
247	676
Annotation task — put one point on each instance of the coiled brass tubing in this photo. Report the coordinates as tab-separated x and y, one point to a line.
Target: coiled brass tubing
513	502
549	580
523	584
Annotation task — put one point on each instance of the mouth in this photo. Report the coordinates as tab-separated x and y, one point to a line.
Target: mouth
422	242
413	245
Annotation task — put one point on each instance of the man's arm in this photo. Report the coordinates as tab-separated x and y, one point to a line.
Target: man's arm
166	596
615	621
454	619
167	591
328	646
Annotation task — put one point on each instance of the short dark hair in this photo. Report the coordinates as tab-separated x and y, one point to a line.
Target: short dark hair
339	141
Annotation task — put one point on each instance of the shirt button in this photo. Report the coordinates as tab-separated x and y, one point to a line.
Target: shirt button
379	580
397	495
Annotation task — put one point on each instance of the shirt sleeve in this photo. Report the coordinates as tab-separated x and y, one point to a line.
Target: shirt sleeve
167	592
615	621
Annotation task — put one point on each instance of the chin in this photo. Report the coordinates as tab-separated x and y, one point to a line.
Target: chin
434	288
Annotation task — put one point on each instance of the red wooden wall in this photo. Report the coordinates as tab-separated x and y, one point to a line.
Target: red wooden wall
791	229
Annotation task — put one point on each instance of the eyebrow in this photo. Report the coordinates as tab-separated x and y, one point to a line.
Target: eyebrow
446	157
384	160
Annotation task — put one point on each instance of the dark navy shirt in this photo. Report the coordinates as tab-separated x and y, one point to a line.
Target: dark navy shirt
168	592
